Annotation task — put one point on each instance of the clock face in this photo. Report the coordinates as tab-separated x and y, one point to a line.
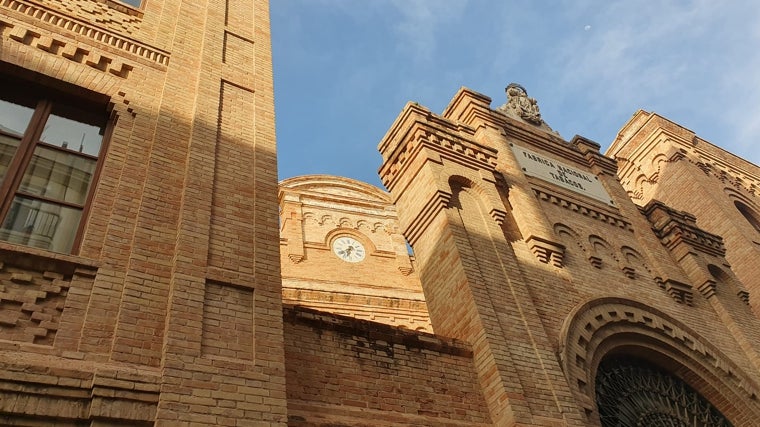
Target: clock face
348	249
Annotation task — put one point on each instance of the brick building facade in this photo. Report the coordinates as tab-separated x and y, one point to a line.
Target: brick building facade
162	305
142	280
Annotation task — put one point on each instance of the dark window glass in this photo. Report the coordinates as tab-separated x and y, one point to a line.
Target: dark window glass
133	3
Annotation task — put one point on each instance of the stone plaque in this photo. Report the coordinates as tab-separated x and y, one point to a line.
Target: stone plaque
562	174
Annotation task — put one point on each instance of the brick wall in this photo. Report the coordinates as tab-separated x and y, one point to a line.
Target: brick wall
343	371
661	160
176	284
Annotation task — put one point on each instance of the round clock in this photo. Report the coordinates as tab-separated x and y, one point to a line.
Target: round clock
348	249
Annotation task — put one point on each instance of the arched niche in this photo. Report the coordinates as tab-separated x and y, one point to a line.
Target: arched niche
611	327
749	214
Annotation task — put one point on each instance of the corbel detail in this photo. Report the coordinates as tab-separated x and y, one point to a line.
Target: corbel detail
679	233
546	251
744	296
438	201
595	261
708	288
405	270
498	215
81	30
681	293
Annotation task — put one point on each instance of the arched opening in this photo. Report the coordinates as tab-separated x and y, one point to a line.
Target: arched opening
603	334
633	392
748	214
718	274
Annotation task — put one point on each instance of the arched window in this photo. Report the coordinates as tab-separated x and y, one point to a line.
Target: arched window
749	214
718	274
632	392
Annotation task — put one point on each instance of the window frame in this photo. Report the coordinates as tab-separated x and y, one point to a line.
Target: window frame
124	7
43	101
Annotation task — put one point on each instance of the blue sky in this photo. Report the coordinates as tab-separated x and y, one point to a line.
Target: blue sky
344	69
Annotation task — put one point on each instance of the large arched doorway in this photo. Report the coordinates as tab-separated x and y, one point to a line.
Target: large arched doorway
631	392
619	345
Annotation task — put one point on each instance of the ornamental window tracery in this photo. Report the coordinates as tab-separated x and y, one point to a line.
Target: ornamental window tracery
631	392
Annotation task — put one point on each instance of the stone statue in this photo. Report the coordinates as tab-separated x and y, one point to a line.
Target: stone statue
521	105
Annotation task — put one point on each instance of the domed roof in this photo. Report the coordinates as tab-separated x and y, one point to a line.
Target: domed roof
337	186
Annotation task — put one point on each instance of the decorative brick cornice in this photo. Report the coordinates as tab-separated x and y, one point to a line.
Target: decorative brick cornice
389	335
80	30
729	176
451	147
437	202
590	150
677	230
581	208
417	130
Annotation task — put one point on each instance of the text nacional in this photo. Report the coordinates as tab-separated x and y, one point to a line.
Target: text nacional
536	165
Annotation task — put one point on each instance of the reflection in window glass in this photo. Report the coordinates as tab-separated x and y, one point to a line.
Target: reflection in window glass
72	135
14	118
8	148
133	3
40	224
58	175
49	148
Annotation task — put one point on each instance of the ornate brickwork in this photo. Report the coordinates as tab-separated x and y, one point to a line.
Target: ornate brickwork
318	210
583	208
31	303
68	48
154	315
109	14
676	228
597	326
661	160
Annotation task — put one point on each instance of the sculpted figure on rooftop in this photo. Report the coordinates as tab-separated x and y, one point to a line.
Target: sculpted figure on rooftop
521	105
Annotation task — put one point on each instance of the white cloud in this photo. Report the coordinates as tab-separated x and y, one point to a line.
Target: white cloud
419	28
694	57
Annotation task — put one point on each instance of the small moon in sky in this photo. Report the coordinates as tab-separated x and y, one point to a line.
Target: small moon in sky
587	27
